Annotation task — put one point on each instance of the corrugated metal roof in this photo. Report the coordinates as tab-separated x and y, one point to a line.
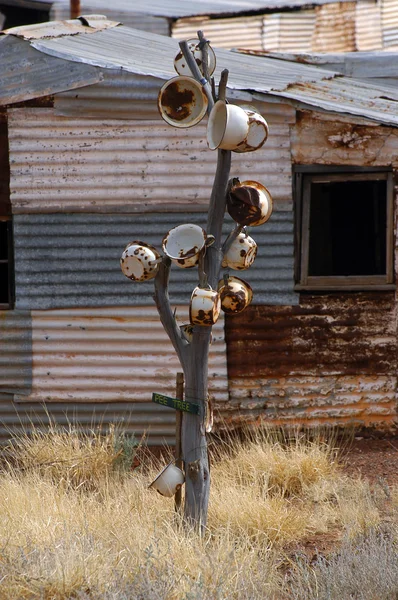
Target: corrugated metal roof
334	28
368	34
31	74
148	54
175	9
51	29
80	164
50	272
15	351
112	355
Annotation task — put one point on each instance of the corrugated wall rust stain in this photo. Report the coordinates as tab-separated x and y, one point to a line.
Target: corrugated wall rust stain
347	334
321	139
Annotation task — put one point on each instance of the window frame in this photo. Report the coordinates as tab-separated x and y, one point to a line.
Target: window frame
304	176
10	262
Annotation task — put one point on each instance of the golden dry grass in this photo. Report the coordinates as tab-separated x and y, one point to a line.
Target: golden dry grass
74	526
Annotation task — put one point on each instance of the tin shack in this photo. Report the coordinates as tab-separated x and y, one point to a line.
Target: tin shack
273	25
88	165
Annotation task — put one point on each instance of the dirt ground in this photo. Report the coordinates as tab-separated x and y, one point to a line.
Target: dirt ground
374	459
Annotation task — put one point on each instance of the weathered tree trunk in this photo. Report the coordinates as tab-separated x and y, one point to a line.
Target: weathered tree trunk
194	356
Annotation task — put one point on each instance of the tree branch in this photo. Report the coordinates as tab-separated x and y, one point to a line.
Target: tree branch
162	301
196	73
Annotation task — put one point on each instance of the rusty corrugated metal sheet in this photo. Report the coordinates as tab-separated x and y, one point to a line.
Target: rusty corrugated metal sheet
295	31
116	11
50	272
112	355
368	34
332	359
389	23
335	28
53	29
72	165
153	420
31	74
320	139
245	32
15	351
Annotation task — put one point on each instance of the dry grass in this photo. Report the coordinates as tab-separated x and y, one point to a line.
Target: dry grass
74	524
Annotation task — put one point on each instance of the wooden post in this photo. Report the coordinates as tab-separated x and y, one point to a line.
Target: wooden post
178	450
74	9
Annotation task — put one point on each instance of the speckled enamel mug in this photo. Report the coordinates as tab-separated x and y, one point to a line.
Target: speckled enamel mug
235	295
241	253
139	261
205	306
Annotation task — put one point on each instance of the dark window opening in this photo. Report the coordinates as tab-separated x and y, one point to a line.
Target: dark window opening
345	230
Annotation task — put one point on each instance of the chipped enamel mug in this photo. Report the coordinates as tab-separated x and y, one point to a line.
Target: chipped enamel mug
249	203
168	481
140	261
184	243
205	306
227	127
182	102
235	294
180	63
257	134
241	253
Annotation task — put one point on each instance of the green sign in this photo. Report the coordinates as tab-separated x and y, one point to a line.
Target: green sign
175	403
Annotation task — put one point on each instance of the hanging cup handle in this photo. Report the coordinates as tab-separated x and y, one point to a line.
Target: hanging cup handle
210	239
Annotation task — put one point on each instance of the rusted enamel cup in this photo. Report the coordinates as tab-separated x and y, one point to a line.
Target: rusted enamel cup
180	63
227	127
258	132
249	203
241	253
139	261
182	102
169	480
235	295
205	306
184	243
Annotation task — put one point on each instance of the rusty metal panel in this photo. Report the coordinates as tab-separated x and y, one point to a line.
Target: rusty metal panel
88	165
50	272
308	401
331	359
320	139
112	355
122	95
242	32
389	23
157	423
117	11
335	28
27	73
368	34
15	351
295	31
52	29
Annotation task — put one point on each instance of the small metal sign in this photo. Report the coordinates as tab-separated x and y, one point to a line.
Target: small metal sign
188	407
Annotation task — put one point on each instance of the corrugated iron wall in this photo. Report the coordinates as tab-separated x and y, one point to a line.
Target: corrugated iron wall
143	165
239	32
331	360
15	352
389	20
295	31
72	260
368	33
334	28
153	420
111	355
